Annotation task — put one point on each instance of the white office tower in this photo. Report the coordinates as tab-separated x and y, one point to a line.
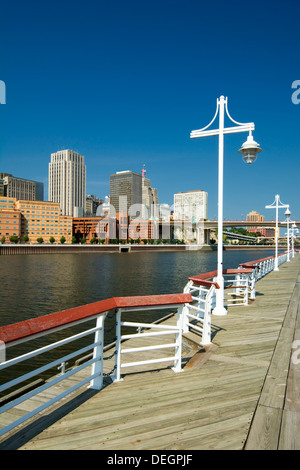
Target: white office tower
191	205
67	182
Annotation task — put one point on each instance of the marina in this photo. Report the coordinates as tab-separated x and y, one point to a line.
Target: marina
240	391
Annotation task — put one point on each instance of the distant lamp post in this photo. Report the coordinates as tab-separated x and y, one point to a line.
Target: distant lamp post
277	204
249	149
287	222
294	230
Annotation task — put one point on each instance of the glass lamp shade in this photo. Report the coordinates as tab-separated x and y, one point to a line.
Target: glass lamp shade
250	149
287	214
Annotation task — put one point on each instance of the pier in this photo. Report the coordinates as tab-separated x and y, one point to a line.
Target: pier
240	392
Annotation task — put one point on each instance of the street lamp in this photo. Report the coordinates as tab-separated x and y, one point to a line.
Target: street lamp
249	150
287	222
294	230
275	205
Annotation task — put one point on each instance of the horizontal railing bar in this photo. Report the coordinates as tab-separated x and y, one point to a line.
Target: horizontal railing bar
143	335
195	318
153	307
153	361
47	348
148	325
47	385
148	348
195	327
42	369
193	307
46	405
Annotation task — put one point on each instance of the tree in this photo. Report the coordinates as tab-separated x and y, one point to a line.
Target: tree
62	240
93	240
25	238
74	240
40	240
51	240
13	239
3	239
83	240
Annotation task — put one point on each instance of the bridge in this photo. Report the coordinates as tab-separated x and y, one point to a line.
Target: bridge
239	236
209	224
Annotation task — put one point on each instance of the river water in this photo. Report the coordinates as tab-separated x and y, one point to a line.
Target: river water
36	285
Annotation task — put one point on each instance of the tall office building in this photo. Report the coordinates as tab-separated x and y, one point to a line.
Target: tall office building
149	198
67	181
125	191
21	188
191	205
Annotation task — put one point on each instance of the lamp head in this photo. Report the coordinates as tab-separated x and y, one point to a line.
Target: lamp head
287	214
250	149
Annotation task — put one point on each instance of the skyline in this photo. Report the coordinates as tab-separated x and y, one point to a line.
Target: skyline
125	84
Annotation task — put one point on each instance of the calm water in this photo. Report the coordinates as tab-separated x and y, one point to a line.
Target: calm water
35	285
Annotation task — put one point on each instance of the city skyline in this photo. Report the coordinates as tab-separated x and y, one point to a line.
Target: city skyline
126	84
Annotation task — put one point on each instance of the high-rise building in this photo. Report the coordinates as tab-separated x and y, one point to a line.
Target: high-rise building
190	205
91	205
67	181
125	192
21	188
149	198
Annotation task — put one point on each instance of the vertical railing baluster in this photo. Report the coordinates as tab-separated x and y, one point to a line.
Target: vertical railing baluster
97	367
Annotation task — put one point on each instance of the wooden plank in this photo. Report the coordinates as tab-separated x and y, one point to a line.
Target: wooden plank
265	429
290	431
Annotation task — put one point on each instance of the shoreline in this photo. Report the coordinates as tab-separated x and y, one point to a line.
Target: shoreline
11	249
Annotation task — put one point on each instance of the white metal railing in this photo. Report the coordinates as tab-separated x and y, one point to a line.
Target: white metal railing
93	377
146	330
197	315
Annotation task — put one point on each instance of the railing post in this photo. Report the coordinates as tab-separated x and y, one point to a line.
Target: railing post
117	376
97	367
178	347
206	334
185	310
252	284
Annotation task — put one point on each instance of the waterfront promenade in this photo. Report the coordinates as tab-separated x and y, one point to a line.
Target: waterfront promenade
242	392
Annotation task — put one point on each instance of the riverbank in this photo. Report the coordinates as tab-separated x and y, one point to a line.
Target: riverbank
21	249
25	249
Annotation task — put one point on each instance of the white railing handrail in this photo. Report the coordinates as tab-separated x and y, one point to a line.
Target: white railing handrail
25	331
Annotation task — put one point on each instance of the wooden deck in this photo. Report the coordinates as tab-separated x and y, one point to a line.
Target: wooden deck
243	392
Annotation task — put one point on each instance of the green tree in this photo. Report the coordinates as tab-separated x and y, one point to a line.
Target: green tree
3	239
74	240
83	240
13	239
51	240
25	238
40	240
62	240
93	240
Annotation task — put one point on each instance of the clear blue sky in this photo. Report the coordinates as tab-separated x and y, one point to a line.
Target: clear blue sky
124	82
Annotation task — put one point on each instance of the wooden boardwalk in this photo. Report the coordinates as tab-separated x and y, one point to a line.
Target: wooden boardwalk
243	392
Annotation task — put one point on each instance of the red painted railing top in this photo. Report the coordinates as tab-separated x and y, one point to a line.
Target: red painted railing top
24	329
203	279
254	263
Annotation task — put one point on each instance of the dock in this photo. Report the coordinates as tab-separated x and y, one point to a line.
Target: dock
242	392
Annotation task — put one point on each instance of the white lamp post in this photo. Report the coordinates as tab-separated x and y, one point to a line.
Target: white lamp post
287	222
249	149
294	230
275	205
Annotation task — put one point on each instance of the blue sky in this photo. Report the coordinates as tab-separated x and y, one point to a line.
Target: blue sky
125	82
